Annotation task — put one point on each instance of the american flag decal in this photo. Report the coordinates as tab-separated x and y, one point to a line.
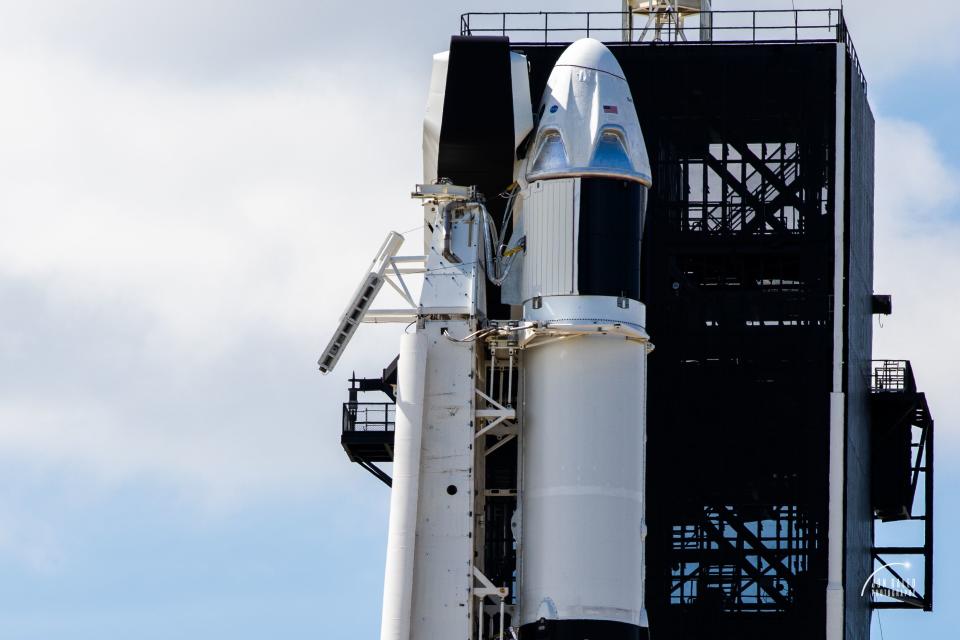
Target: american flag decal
610	108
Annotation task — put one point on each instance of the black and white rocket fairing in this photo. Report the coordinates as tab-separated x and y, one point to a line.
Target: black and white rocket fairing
581	560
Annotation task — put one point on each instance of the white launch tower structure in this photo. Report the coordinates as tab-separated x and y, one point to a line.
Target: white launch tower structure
564	376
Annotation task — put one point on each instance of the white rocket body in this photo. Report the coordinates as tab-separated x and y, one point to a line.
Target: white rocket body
430	542
583	480
577	360
582	493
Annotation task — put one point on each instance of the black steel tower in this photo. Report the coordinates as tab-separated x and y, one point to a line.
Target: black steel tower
776	444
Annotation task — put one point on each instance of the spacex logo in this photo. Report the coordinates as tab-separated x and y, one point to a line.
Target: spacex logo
890	587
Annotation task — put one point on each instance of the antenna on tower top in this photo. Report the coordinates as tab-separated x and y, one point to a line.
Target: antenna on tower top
665	19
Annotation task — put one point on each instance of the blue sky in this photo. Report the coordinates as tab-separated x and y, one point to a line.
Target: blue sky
187	192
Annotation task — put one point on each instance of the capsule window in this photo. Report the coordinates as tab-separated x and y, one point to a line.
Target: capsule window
551	154
611	152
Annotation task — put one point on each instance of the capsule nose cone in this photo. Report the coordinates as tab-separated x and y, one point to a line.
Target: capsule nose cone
588	123
590	54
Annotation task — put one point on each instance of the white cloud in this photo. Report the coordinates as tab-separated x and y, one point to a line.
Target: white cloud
184	231
223	41
917	235
212	41
190	231
215	211
894	37
916	187
220	464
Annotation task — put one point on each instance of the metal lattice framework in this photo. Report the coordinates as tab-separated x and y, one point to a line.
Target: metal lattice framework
750	189
751	562
557	27
898	403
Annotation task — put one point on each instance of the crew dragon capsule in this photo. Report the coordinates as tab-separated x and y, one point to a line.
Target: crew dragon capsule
581	571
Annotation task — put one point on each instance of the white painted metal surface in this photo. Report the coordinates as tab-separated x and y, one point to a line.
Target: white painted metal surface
433	118
587	312
582	439
522	109
450	286
589	123
363	297
443	573
580	430
549	210
681	6
835	534
666	19
428	588
583	472
404	498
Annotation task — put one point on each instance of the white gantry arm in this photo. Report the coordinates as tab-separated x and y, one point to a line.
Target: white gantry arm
359	308
394	278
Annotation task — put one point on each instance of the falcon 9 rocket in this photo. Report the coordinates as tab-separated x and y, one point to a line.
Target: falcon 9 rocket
559	383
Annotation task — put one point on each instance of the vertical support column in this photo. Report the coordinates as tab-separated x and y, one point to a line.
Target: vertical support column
835	533
835	525
401	537
627	21
928	523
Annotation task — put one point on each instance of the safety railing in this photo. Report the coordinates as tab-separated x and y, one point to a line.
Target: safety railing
368	416
707	27
557	27
892	375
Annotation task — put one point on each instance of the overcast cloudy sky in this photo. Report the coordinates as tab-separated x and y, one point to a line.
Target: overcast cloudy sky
188	190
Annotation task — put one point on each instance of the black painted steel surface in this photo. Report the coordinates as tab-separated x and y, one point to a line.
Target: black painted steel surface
738	261
608	247
582	630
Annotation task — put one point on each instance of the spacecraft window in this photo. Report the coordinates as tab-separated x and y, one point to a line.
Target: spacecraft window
611	152
551	154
